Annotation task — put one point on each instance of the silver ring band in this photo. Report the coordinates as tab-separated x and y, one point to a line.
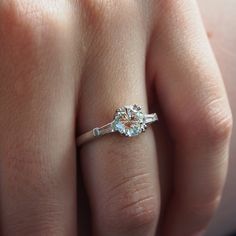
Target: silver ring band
128	121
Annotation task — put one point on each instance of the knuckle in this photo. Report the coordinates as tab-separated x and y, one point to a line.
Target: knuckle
104	11
212	123
30	35
104	21
142	213
96	10
132	204
17	48
16	15
25	22
99	13
217	127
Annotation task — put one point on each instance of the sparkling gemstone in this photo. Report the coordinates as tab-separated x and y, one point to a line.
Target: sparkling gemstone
129	120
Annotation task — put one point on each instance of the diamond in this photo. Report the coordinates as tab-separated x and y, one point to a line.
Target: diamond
129	120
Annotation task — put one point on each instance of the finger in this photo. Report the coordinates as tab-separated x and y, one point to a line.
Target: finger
192	96
37	110
120	173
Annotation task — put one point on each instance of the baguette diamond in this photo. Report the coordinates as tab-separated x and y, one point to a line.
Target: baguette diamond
129	121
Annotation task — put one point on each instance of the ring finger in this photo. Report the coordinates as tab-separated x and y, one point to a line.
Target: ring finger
120	174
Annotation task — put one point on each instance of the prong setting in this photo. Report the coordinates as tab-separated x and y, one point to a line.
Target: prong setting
137	107
129	120
118	109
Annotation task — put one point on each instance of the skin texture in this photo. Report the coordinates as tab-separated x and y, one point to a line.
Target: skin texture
38	188
66	66
220	22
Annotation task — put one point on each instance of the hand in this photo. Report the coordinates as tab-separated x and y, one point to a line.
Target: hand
65	67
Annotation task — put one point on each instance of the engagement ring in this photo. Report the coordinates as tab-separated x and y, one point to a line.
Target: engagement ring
129	121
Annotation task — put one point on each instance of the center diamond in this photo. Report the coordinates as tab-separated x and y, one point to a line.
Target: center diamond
129	120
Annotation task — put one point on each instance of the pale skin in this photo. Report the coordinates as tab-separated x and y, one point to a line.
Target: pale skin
220	21
65	67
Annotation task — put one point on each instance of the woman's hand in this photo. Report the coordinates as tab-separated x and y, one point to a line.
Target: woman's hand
220	21
65	66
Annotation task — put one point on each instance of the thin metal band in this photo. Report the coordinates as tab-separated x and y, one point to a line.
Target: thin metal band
107	129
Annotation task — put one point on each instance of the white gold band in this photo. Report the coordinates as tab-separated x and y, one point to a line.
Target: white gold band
129	121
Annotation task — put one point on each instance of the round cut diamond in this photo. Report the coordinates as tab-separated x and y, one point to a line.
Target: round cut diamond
129	120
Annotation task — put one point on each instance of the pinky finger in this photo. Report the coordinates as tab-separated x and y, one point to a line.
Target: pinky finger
194	102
